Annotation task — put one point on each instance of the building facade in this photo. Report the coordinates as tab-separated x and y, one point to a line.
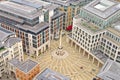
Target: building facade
10	47
34	25
70	8
25	70
28	70
101	12
97	42
57	23
110	42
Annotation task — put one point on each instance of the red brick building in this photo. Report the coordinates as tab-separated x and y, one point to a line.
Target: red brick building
27	70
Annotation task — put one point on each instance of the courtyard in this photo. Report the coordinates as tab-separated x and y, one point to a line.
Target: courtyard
74	65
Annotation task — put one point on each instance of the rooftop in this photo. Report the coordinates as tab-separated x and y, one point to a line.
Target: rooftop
31	8
115	28
87	25
59	13
48	74
15	62
27	65
103	8
110	71
7	38
65	2
35	29
4	34
11	41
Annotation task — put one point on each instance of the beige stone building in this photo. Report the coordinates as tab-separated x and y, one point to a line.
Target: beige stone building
10	47
99	40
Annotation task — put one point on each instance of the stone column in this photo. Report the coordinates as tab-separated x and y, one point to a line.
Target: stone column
88	55
79	49
98	64
75	46
83	52
60	45
37	53
67	40
93	60
71	43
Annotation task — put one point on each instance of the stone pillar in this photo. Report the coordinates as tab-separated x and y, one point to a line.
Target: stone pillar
93	60
83	52
71	43
79	49
0	74
37	53
88	55
9	72
98	64
67	40
44	48
49	44
75	46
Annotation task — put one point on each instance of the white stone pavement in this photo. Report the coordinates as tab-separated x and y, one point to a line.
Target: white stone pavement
75	66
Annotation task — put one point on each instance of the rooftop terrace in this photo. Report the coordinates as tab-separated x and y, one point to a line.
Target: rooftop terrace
115	28
103	8
87	25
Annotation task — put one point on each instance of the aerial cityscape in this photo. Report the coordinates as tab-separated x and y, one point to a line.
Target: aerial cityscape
59	39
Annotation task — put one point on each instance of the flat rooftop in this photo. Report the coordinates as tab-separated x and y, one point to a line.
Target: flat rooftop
48	74
115	28
110	71
35	29
103	8
27	65
87	25
65	2
26	8
14	62
58	14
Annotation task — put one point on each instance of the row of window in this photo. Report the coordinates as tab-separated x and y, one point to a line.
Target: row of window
113	36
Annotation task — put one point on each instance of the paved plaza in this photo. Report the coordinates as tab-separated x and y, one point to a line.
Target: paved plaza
74	65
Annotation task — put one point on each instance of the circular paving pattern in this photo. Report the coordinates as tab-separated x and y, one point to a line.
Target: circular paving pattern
59	53
75	66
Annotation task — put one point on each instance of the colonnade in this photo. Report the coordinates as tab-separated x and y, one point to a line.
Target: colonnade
83	52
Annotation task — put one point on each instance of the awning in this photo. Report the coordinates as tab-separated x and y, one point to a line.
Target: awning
69	28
